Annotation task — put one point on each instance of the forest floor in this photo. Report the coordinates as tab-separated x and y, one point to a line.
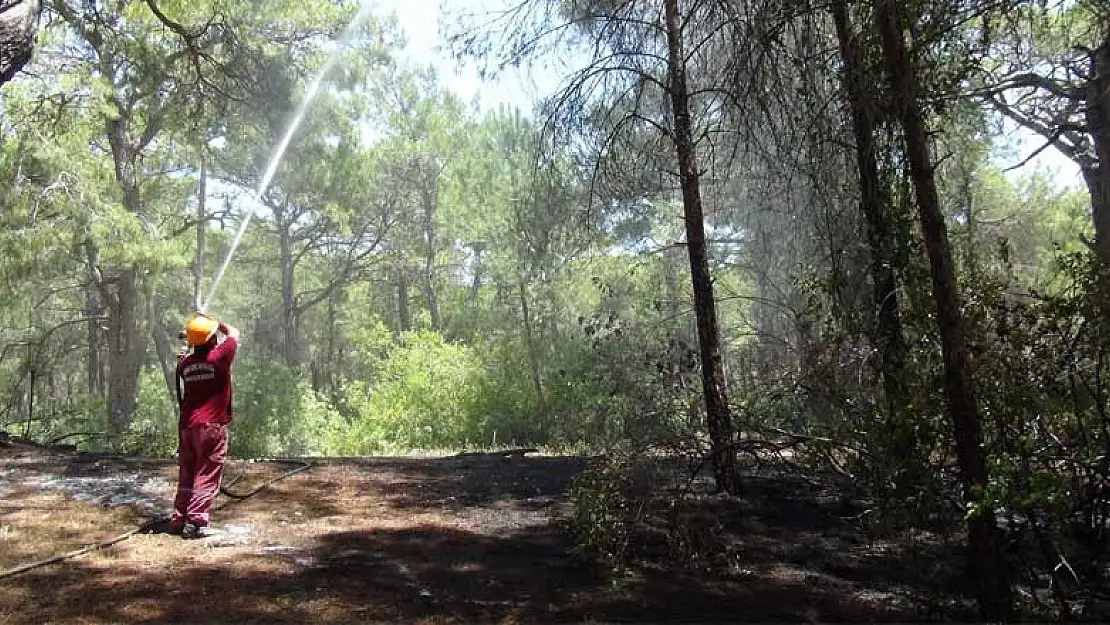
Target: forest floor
460	539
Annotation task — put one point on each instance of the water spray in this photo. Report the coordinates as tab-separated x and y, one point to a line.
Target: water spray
275	160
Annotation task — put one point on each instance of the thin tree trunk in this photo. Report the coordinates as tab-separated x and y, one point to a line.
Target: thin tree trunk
94	310
329	366
718	419
290	350
987	566
530	345
162	347
431	199
876	205
202	226
404	315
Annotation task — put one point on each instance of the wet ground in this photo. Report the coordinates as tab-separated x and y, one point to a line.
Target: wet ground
429	540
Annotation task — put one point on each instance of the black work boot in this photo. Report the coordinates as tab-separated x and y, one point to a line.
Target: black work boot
190	531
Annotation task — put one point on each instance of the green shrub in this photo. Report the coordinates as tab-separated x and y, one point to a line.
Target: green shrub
153	429
426	396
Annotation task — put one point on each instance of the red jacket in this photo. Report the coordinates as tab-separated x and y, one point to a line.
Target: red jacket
204	385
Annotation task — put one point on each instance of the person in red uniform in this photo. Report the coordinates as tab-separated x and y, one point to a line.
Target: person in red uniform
204	398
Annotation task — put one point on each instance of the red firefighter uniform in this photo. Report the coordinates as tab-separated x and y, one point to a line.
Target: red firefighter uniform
204	398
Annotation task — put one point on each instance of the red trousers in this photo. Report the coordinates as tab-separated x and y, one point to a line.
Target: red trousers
201	453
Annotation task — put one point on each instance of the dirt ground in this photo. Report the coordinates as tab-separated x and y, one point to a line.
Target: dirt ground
433	540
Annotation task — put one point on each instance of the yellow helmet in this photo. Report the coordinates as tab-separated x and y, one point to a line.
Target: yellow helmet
200	329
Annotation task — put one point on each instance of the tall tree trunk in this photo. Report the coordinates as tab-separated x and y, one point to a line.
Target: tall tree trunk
127	347
530	345
718	419
290	348
162	346
1098	124
126	350
431	199
19	21
202	226
330	366
987	566
876	206
404	314
94	373
94	310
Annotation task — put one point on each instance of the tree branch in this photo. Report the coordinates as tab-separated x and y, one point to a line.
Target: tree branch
1070	148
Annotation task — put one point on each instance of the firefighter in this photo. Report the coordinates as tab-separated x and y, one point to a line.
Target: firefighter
204	400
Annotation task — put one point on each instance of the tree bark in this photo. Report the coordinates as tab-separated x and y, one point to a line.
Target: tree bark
126	351
876	206
19	21
1098	124
987	566
718	418
126	347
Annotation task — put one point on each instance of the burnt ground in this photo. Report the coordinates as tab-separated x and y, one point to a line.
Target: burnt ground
431	540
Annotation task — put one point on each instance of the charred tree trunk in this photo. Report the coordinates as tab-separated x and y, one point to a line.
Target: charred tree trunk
987	566
718	419
19	21
1098	123
876	206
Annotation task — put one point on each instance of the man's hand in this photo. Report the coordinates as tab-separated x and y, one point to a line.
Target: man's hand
228	330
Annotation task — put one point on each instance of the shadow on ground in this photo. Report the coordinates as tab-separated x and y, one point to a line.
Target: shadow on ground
422	574
474	539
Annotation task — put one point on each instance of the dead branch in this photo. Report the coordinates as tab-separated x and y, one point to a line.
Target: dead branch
506	453
785	441
54	441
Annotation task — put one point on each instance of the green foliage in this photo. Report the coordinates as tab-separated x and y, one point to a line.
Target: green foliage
426	396
604	514
276	413
153	430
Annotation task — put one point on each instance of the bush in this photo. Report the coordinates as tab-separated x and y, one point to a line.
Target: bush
153	429
428	395
276	413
